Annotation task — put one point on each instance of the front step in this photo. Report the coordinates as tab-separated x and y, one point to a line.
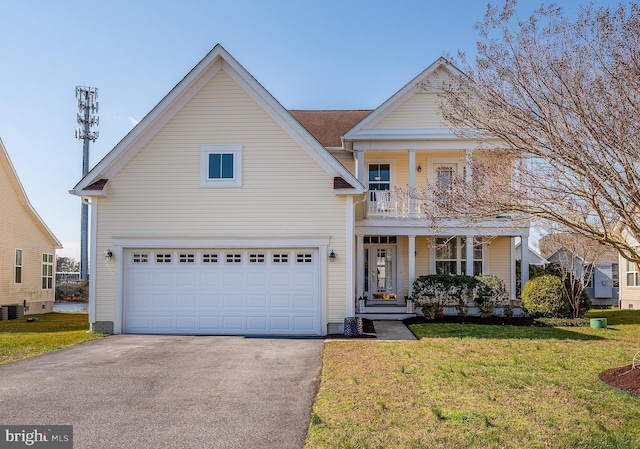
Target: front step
386	316
381	312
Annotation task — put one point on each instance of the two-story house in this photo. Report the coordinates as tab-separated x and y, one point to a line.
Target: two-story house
223	213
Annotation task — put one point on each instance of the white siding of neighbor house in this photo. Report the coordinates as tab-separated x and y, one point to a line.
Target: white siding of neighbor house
284	192
20	229
499	259
629	295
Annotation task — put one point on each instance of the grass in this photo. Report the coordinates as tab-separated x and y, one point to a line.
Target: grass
478	386
20	339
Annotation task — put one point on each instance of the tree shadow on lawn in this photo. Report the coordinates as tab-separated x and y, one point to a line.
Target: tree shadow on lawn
458	330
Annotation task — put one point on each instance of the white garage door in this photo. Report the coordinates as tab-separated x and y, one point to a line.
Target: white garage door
232	292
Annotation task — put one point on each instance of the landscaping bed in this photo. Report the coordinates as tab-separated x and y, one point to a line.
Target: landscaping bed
623	378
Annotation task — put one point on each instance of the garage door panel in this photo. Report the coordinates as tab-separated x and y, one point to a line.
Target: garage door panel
280	301
222	292
304	301
257	301
186	323
163	301
233	323
186	301
257	323
209	301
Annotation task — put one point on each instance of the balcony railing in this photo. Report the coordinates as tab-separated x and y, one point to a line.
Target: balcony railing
392	203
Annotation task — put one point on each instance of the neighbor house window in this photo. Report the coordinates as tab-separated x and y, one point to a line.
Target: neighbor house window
221	165
632	274
18	271
615	275
47	271
451	255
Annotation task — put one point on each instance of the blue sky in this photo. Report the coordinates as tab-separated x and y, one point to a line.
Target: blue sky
310	54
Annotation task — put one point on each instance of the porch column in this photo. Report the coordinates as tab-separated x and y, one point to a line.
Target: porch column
469	255
469	168
412	180
524	261
359	155
359	265
412	263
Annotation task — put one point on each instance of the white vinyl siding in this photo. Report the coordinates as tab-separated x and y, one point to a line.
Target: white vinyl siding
284	192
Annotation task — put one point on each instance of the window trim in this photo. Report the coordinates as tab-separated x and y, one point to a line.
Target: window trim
631	269
20	266
235	150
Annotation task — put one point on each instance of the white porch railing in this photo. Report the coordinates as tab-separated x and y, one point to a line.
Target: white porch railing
392	203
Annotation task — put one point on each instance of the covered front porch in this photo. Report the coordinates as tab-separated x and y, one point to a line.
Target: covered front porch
388	260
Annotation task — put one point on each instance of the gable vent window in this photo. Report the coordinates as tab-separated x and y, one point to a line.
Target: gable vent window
303	258
209	258
140	257
233	258
163	258
187	258
281	258
256	258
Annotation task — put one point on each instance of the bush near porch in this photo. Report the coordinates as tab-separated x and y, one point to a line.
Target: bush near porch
433	292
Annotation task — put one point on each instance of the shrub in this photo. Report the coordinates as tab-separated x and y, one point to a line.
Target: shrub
543	296
435	291
490	292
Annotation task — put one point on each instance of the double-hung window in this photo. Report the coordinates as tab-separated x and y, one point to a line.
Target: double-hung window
451	255
632	275
221	166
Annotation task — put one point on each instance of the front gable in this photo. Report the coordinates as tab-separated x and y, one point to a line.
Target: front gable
411	113
191	100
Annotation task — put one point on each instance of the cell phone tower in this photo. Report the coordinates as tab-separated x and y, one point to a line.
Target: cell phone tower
87	117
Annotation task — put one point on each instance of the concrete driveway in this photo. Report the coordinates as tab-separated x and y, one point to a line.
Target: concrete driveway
169	392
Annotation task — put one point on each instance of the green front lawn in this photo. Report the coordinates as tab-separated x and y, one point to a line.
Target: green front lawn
478	386
20	339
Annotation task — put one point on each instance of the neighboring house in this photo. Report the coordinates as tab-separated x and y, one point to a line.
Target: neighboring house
629	280
27	265
597	264
533	255
223	213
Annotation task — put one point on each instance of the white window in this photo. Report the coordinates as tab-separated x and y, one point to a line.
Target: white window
187	258
632	275
47	271
209	258
18	271
221	166
140	257
163	258
281	258
451	255
256	258
233	258
303	258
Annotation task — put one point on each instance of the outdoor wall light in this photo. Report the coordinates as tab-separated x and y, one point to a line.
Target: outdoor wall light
419	169
108	255
332	256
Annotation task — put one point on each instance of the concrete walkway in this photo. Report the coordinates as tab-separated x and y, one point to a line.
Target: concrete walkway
392	330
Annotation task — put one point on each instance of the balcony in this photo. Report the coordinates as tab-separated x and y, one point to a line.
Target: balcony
392	204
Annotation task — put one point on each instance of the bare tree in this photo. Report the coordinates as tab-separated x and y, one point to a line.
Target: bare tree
561	98
573	258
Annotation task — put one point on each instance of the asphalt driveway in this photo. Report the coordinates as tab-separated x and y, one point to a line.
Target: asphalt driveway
138	391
